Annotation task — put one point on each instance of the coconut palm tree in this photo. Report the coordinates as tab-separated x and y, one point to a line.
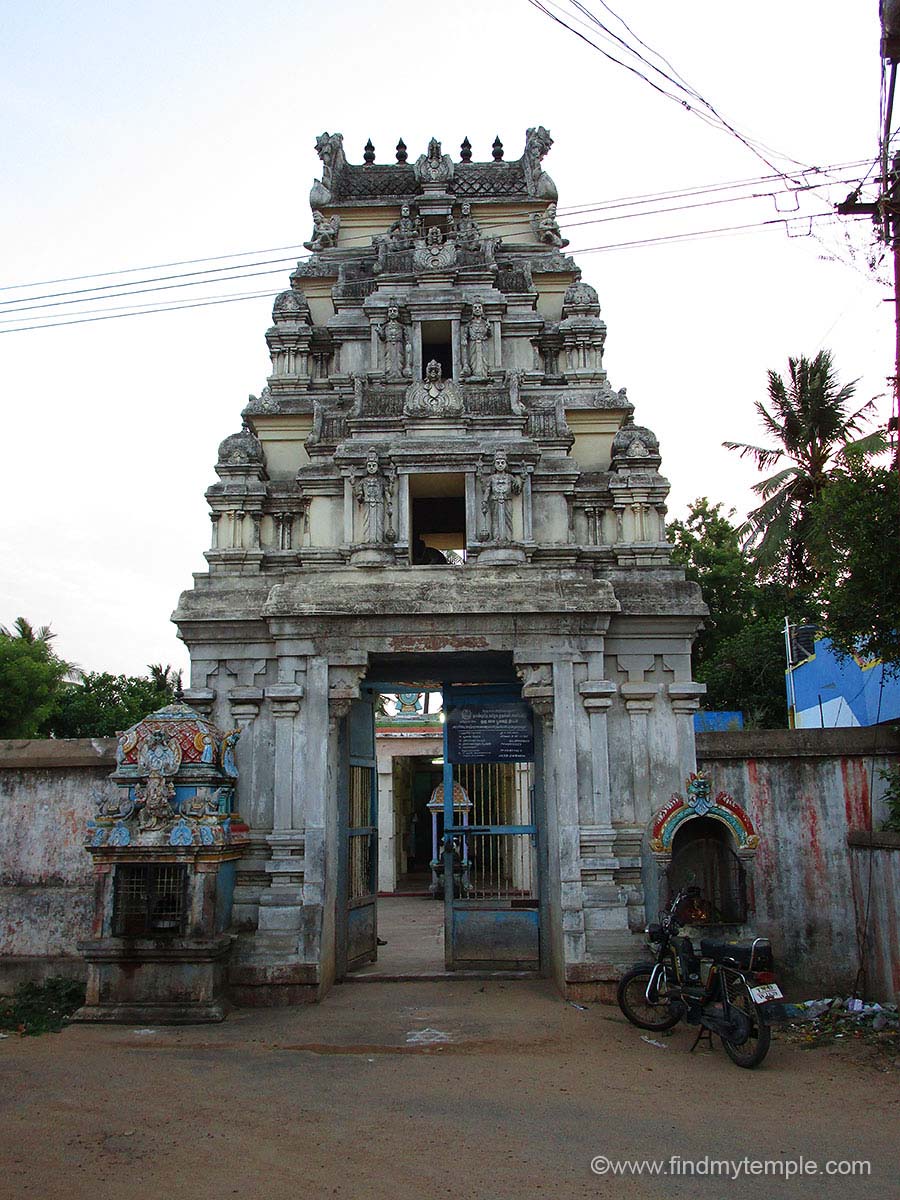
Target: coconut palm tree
25	631
808	417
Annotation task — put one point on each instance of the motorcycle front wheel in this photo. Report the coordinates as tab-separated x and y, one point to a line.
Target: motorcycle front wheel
632	997
750	1052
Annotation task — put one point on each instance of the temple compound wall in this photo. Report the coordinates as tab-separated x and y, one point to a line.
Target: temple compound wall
807	792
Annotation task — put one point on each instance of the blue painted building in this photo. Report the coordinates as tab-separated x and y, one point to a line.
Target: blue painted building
825	691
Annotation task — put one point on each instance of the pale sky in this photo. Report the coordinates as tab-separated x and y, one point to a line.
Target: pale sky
146	133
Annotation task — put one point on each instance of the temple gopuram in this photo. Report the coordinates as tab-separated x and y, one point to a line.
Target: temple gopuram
438	489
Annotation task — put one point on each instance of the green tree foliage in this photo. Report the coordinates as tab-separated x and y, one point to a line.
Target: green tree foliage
101	705
31	677
746	673
739	654
808	419
855	547
708	546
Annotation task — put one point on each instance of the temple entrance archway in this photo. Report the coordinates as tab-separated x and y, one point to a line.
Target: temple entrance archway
474	836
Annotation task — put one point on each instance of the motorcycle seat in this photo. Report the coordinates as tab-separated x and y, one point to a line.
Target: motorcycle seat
754	955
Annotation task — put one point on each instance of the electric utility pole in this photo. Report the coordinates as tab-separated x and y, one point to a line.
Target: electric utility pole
885	211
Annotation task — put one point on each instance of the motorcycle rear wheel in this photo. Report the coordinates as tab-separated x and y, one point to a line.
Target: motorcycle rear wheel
751	1052
631	995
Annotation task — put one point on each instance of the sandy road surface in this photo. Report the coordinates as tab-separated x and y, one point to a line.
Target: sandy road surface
425	1090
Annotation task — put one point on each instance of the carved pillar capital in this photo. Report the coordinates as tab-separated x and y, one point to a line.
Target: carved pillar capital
285	698
200	699
537	688
244	703
685	697
597	694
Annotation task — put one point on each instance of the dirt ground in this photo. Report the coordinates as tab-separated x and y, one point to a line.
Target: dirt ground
395	1090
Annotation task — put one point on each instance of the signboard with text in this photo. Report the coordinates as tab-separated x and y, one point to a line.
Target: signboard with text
490	733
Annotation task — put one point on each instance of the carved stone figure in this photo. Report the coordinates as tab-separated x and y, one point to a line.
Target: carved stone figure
496	505
478	331
396	345
330	148
374	491
546	228
434	167
325	231
432	252
402	233
433	396
517	408
537	143
466	230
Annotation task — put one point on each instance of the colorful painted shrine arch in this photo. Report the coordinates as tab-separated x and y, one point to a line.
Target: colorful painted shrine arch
698	803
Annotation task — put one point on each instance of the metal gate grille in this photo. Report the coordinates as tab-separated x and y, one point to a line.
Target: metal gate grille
497	865
149	899
362	834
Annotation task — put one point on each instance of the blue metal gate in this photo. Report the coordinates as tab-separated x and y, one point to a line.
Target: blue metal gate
490	852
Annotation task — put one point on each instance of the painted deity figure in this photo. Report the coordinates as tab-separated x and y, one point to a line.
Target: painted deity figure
155	796
160	754
478	332
434	396
546	228
374	492
229	744
396	345
203	741
496	506
325	231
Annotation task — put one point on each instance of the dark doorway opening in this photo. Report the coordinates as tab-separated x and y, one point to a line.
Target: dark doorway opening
437	343
438	518
703	856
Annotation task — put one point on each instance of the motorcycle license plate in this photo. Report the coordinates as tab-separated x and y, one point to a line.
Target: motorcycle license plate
765	992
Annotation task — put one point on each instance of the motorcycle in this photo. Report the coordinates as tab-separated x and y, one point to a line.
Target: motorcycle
728	988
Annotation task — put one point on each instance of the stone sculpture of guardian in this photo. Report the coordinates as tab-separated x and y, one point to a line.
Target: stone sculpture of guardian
374	492
496	506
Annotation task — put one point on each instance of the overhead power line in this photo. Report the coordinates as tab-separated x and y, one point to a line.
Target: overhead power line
571	210
695	235
684	94
14	312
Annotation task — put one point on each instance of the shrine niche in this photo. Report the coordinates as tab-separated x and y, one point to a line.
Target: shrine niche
164	840
709	843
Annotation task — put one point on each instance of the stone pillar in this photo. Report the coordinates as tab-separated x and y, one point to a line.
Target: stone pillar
280	906
349	504
472	510
565	763
387	833
685	699
527	512
497	339
403	530
596	696
639	699
244	704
